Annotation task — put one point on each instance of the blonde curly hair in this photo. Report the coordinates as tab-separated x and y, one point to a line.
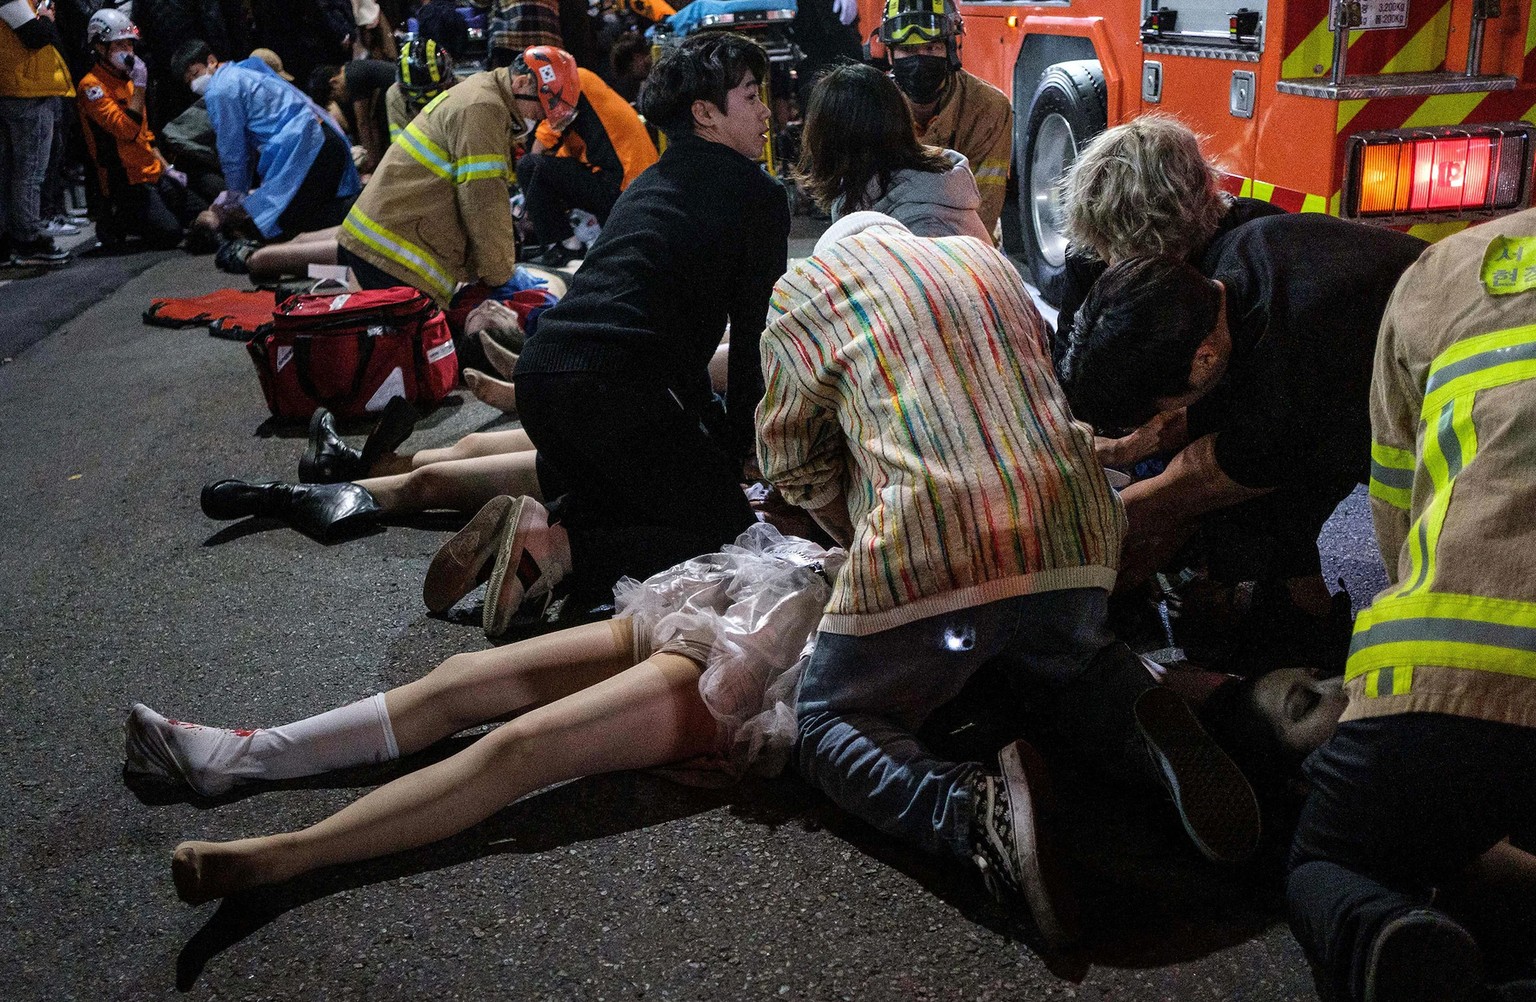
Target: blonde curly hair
1142	188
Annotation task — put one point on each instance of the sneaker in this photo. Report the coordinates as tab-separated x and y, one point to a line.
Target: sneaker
233	255
1215	803
532	557
467	559
557	255
1010	847
41	251
60	226
1423	956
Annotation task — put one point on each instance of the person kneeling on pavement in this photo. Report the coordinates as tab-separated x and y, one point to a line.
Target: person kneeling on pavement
589	147
303	179
143	193
1260	359
937	447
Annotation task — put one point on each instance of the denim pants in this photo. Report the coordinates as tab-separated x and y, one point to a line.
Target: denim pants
1398	805
26	137
863	698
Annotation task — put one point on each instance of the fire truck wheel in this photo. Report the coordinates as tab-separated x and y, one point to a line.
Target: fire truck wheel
1068	108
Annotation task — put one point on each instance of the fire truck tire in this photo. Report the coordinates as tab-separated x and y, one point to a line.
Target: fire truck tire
1068	108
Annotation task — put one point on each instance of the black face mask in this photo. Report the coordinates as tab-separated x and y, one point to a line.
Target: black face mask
921	78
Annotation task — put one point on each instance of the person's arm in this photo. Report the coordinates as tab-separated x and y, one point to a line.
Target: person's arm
33	30
368	129
599	152
119	122
1162	510
483	140
993	152
1396	399
799	441
1166	431
764	258
227	112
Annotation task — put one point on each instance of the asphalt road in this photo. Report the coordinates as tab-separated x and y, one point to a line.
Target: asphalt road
115	589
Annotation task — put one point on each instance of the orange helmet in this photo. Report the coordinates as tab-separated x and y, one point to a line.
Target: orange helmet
558	85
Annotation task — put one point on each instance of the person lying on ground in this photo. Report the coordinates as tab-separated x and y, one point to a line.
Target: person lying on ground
860	151
303	177
912	410
696	671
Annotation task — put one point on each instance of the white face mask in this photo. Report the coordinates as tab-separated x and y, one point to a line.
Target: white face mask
199	84
123	61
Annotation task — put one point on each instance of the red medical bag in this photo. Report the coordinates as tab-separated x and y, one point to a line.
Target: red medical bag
351	352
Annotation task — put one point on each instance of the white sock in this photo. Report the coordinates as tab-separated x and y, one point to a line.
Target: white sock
211	760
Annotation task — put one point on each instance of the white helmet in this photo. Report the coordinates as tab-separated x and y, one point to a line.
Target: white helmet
110	25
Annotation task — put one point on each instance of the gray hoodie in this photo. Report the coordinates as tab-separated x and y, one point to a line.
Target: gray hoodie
932	204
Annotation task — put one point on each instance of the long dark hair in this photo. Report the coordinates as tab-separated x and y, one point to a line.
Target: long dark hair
858	129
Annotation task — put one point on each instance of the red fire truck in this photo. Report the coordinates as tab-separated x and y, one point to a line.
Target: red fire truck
1419	115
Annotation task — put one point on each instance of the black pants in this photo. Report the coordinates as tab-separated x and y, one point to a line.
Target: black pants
646	486
553	186
159	213
1398	805
315	205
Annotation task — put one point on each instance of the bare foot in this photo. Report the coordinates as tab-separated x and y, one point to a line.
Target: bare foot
204	871
502	359
499	394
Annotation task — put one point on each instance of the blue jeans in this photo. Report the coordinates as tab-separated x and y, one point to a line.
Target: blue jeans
26	137
863	698
1398	805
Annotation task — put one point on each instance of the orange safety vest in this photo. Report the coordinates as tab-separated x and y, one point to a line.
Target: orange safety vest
121	144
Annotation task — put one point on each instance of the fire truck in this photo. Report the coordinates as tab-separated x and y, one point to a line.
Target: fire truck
1418	114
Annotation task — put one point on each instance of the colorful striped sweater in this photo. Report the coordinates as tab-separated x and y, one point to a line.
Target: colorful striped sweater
912	377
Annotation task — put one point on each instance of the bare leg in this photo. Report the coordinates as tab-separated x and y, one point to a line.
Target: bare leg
478	443
648	715
293	257
499	393
719	367
458	485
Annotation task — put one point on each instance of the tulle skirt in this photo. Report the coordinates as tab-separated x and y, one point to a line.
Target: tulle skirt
749	615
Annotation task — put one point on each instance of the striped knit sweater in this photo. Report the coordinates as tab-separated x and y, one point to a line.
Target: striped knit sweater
911	376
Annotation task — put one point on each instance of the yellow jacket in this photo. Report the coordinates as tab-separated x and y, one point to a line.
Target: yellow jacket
1453	447
975	119
436	212
28	72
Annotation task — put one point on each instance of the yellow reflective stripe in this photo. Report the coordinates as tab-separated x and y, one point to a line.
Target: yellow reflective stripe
1450	444
411	140
427	143
394	131
476	167
435	159
1373	685
1479	363
1454	631
401	251
1392	475
1393	681
1393	457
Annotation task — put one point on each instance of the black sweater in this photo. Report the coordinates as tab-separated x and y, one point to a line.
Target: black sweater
695	241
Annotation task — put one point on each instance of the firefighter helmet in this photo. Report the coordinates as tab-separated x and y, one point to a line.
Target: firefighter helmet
557	83
918	22
425	70
110	25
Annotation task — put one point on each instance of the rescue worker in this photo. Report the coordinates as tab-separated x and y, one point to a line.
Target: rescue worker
1433	760
32	75
436	212
424	70
303	178
953	109
1268	347
587	149
142	193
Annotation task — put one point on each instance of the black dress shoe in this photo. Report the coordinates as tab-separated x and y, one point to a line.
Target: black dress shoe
394	427
329	460
324	511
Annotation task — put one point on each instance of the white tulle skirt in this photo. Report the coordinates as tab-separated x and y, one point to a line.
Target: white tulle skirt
749	615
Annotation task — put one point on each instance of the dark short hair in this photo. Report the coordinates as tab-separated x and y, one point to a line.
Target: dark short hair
703	68
859	129
1135	338
319	89
1232	717
625	48
191	52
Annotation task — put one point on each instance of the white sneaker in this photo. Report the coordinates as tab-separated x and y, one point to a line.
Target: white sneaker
60	226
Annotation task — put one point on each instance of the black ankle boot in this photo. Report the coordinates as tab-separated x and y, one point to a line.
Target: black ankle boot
329	460
394	427
321	510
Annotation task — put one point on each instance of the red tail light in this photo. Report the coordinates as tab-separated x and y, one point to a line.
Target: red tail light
1441	171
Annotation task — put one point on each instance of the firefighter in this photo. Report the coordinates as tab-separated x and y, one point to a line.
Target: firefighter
587	149
1433	761
424	70
954	110
436	212
142	192
1267	348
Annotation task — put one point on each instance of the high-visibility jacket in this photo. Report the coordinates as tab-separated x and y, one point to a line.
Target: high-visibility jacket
1453	485
626	132
25	72
436	212
121	143
975	119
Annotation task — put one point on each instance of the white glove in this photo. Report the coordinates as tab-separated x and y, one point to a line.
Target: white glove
139	74
847	11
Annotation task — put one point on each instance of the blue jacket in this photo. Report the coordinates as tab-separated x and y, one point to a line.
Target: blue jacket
251	107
